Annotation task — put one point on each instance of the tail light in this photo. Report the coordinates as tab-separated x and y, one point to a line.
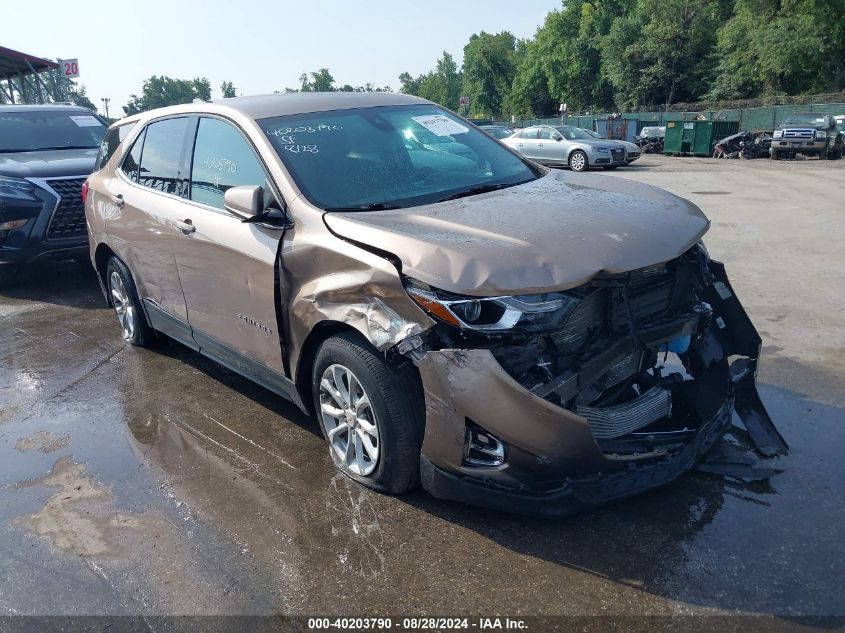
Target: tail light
84	191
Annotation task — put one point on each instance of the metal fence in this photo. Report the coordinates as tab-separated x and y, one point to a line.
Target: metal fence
628	124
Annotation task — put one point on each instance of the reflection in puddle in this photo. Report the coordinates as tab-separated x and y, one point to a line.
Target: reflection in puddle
357	537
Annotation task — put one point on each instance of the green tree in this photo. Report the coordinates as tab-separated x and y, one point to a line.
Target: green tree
79	96
661	51
490	63
159	92
780	46
321	81
441	85
227	89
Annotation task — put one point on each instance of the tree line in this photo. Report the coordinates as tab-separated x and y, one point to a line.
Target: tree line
606	55
626	54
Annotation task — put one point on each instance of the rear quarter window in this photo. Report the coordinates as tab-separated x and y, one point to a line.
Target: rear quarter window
111	141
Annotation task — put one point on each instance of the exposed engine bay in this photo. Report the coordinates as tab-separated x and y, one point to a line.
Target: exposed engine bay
646	357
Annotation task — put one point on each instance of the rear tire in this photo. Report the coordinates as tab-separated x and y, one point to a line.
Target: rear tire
359	395
578	161
123	295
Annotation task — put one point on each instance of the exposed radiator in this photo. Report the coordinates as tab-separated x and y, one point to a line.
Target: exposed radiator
608	423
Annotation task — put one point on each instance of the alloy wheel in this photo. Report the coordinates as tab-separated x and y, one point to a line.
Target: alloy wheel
123	306
578	161
349	420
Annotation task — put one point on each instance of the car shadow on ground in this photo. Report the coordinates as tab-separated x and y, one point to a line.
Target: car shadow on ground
64	283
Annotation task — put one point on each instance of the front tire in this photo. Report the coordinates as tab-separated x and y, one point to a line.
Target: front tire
370	412
578	161
124	298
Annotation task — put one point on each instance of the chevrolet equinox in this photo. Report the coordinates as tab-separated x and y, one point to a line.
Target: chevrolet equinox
453	314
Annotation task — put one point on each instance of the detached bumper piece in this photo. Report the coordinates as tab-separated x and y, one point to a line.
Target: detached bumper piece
631	391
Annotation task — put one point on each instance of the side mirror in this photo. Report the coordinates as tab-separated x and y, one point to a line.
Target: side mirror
558	138
244	201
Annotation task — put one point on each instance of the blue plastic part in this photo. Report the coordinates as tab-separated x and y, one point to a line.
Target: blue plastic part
678	346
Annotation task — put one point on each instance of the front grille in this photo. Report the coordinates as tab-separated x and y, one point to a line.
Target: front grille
69	217
799	134
618	154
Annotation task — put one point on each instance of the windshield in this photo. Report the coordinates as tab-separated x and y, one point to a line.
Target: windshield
805	119
390	156
574	134
31	131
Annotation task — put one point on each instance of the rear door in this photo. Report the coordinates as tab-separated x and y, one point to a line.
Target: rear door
147	200
228	267
527	144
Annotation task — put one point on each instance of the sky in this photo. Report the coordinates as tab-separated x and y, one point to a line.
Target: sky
259	45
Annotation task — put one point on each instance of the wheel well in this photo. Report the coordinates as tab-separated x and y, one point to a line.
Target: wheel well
321	332
101	259
325	330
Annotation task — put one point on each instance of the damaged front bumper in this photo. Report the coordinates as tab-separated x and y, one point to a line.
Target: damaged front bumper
550	457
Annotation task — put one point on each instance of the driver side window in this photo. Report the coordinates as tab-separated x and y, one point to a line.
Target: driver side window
223	158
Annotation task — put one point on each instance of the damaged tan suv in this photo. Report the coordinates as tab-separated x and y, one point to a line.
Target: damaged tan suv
453	314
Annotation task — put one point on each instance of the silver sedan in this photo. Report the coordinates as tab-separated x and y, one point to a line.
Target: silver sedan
567	145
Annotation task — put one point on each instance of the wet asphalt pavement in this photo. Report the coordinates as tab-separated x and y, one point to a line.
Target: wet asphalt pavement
155	481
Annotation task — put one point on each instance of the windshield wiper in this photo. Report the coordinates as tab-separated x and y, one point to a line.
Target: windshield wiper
373	206
474	191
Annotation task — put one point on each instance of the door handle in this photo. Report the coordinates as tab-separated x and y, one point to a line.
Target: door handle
539	145
186	226
118	199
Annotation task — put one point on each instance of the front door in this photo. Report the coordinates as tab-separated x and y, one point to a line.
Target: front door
227	267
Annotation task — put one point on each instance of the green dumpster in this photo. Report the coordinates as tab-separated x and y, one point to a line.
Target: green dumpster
696	137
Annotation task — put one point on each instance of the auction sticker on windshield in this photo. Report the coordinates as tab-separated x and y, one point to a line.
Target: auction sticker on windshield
440	124
86	120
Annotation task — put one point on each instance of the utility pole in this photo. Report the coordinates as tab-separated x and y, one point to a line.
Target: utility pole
105	101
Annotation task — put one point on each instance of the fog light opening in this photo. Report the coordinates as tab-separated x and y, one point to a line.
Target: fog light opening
482	448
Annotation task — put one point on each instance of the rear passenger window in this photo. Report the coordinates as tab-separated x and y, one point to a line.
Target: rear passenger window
113	138
133	159
222	159
161	160
530	133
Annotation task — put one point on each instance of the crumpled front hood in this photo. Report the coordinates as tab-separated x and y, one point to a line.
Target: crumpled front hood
554	233
48	163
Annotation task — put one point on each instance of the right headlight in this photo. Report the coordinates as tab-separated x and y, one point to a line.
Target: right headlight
777	134
16	189
494	314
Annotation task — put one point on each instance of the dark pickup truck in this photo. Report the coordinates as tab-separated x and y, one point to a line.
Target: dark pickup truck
808	134
46	153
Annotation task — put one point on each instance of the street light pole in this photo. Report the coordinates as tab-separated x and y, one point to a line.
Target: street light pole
105	101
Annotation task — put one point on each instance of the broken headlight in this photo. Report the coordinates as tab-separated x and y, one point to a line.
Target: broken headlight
494	314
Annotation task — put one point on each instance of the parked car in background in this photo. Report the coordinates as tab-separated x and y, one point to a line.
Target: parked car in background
497	332
632	151
650	139
567	145
46	153
497	131
809	134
